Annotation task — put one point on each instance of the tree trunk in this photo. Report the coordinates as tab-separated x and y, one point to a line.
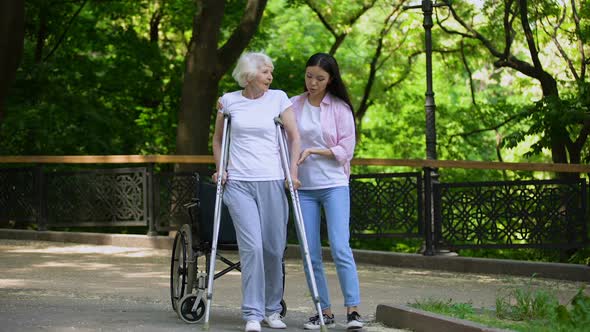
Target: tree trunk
200	83
205	65
12	36
199	93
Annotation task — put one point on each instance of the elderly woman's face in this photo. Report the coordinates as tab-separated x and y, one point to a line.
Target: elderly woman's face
263	79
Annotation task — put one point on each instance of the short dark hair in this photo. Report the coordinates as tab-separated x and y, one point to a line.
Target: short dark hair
336	86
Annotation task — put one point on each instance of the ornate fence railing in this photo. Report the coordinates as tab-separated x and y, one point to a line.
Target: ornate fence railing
20	194
382	205
172	192
80	198
510	214
100	197
386	205
506	214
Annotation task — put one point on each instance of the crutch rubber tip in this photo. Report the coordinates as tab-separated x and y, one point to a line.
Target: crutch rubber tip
206	327
323	328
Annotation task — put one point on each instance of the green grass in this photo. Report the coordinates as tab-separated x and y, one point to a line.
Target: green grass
579	256
408	245
521	309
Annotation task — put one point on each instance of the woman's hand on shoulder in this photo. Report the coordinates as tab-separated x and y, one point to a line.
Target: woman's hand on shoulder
219	104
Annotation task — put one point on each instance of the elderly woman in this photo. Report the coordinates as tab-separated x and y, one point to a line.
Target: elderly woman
254	192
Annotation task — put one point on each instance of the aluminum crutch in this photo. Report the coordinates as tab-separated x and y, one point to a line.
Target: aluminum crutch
299	220
217	215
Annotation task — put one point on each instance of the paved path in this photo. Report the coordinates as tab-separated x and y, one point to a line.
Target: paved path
53	286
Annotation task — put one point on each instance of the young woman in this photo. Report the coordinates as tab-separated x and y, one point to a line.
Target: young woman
326	125
254	190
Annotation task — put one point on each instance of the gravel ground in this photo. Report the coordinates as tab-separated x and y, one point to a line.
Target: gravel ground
53	286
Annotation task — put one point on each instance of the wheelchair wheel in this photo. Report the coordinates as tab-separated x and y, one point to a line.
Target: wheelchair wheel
283	308
181	266
185	306
191	259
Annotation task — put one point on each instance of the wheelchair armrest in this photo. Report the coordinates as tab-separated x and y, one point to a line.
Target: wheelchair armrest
194	202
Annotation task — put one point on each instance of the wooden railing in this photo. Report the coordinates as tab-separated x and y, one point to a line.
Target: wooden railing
208	159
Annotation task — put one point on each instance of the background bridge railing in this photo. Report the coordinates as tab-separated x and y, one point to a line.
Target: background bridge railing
501	214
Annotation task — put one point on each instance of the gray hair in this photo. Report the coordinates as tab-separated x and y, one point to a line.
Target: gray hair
248	66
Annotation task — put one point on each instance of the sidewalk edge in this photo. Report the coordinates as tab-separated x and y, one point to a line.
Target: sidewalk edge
572	272
404	317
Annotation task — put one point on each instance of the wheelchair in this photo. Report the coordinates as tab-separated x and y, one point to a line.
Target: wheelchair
192	245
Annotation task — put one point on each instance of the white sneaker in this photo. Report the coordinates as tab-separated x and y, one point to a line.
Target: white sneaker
275	321
252	326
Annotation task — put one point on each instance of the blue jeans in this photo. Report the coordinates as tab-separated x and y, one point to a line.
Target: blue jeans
336	204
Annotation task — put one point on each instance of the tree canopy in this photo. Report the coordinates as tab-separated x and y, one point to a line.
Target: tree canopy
142	77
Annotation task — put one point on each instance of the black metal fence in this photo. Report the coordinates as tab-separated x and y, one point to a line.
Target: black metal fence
508	214
386	205
21	195
101	197
547	213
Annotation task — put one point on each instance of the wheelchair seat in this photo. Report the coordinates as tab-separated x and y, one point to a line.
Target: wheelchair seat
202	215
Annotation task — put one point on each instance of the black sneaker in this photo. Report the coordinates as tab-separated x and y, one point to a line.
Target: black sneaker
354	321
314	322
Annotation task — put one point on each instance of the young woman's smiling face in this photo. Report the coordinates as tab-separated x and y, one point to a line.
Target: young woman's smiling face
316	80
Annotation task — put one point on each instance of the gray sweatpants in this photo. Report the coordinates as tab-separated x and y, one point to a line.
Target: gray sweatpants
259	211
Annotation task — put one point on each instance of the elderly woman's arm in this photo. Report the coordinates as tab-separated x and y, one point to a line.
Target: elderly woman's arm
290	125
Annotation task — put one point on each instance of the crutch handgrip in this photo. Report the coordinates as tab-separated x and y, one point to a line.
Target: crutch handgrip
279	121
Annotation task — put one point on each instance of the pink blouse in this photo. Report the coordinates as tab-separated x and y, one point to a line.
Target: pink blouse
338	129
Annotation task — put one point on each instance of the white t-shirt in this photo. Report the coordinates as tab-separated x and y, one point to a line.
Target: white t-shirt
254	147
317	172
